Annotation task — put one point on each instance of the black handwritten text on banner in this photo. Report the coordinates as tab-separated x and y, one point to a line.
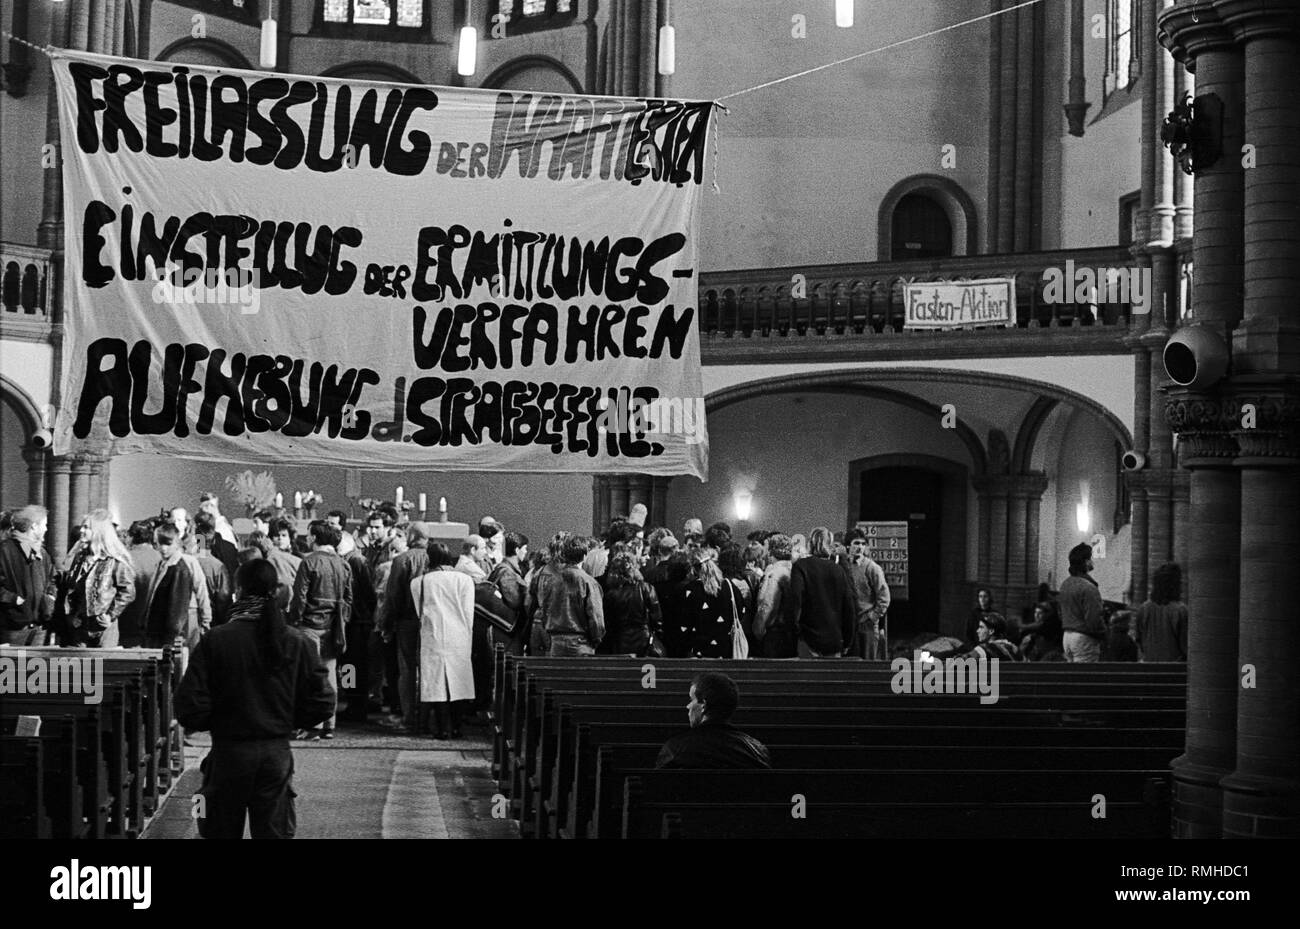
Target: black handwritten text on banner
269	267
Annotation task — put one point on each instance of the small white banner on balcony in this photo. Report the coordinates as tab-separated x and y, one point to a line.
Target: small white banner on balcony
315	270
959	304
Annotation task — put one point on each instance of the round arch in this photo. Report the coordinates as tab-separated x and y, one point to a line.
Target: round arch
741	392
1027	435
518	65
366	70
875	378
223	51
955	202
21	403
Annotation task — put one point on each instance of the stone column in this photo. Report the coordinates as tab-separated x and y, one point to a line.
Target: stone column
1196	35
1007	86
1076	109
37	460
994	492
56	538
79	490
1261	798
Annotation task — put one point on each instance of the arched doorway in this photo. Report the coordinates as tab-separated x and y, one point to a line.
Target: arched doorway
929	495
920	229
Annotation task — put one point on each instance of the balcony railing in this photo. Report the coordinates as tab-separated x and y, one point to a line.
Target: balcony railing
865	299
26	283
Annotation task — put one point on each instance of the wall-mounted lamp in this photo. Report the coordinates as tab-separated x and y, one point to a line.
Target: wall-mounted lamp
667	49
266	56
744	501
844	14
467	54
1083	512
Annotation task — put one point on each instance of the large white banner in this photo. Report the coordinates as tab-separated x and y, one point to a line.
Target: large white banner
264	267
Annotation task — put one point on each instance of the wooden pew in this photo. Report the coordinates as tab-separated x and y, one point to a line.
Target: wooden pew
589	736
882	820
22	789
597	788
518	743
554	765
916	803
79	804
515	677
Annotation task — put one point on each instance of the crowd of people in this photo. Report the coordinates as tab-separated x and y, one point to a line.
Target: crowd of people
403	622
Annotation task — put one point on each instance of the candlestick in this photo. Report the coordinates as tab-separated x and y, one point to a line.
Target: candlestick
297	499
442	509
399	495
279	500
424	503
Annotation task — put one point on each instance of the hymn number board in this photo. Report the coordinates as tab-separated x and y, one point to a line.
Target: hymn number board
887	546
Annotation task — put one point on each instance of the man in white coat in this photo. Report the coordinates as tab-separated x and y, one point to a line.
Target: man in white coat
444	600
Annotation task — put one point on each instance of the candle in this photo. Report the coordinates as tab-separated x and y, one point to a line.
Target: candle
297	499
424	503
442	504
399	494
279	499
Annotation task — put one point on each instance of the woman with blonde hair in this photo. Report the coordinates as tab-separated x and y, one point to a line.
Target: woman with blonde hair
710	609
97	586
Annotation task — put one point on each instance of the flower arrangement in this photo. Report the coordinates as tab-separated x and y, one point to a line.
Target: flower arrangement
311	500
254	491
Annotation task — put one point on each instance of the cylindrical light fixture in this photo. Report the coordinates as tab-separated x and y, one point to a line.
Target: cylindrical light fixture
467	54
744	504
667	49
266	58
844	13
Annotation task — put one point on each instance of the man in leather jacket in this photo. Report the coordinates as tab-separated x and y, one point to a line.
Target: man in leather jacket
712	742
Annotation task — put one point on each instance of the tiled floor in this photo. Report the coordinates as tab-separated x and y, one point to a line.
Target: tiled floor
371	783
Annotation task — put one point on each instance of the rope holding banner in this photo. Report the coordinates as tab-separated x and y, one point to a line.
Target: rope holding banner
717	129
883	48
43	49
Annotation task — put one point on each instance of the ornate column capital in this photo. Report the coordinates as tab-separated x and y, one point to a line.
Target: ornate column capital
1266	410
1188	29
1204	423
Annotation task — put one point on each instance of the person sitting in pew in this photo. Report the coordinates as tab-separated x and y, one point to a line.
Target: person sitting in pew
712	742
252	683
993	642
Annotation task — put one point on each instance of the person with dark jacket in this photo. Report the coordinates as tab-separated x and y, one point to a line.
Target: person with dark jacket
322	602
1160	628
399	619
632	614
508	578
144	558
27	578
251	683
218	577
96	588
667	574
1041	639
178	610
711	608
982	610
820	606
712	742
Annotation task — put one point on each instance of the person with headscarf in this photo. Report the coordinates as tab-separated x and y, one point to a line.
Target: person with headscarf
97	587
252	682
